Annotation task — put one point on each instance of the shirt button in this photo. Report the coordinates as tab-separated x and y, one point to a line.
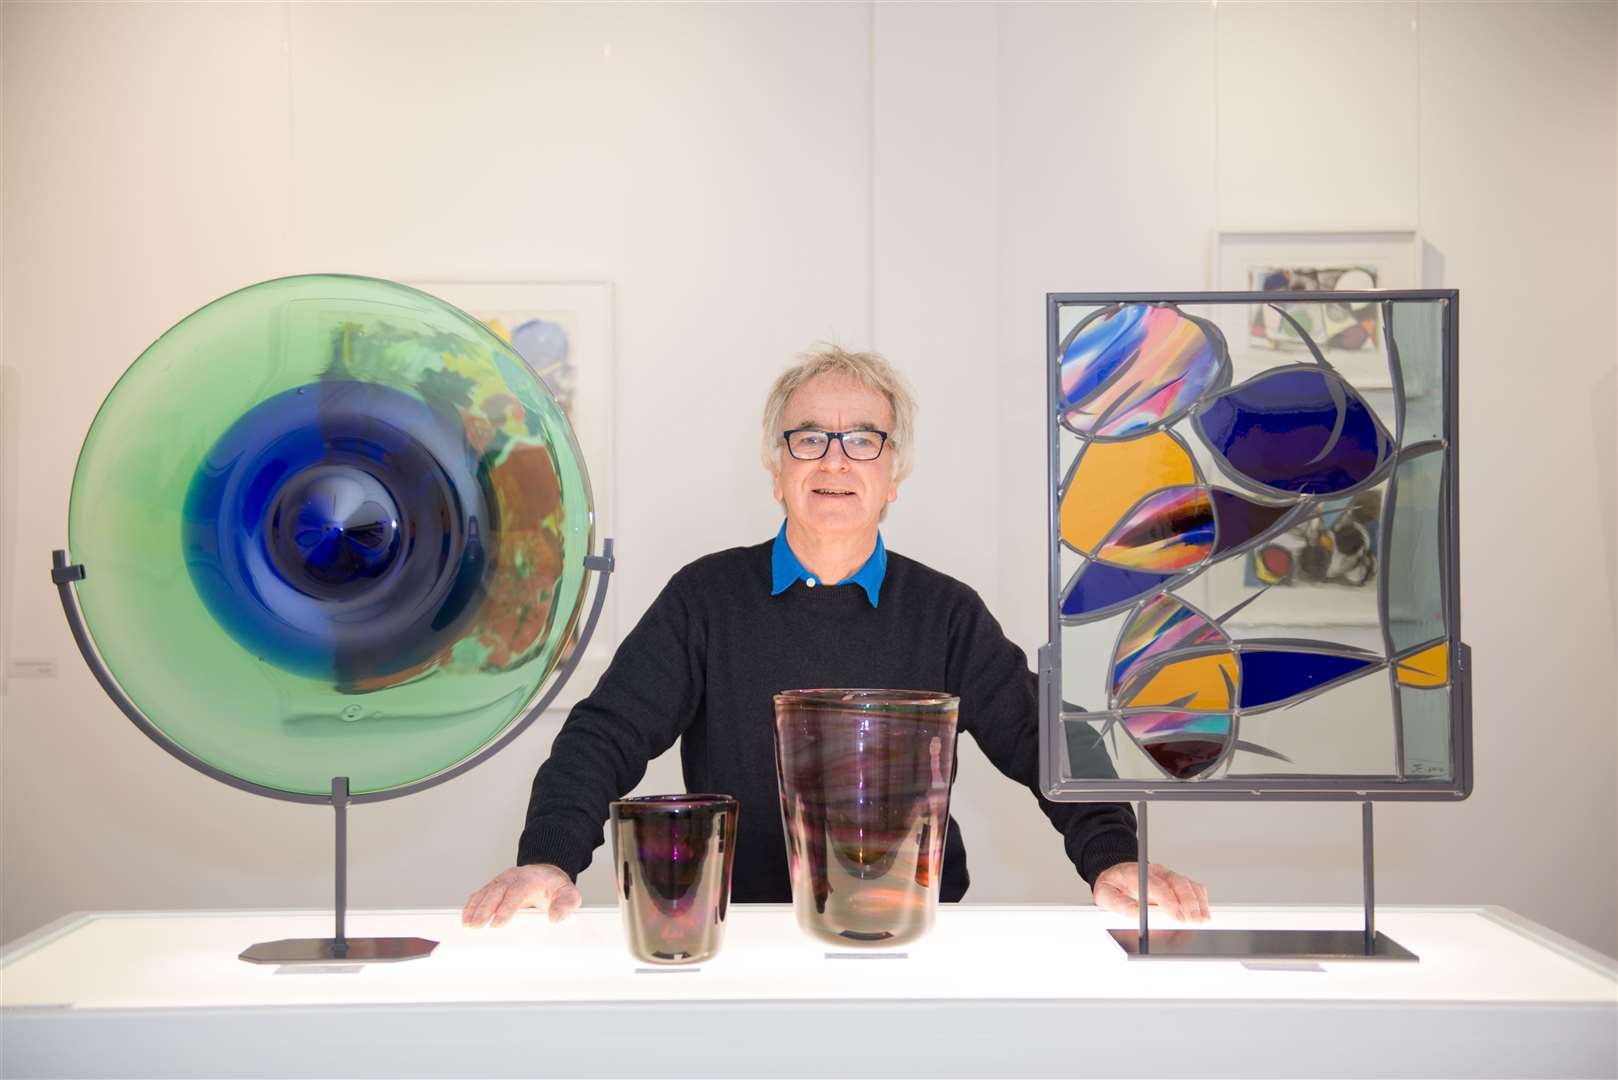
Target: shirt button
809	582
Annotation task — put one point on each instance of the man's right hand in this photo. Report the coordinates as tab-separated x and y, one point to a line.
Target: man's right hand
541	886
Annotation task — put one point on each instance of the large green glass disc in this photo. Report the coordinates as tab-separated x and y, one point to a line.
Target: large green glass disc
331	526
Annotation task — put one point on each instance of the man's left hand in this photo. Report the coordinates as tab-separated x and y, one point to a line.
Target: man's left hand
1175	895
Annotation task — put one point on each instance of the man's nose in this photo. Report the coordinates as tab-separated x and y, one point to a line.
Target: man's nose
839	463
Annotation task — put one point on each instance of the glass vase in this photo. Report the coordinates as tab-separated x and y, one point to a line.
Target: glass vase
673	856
865	778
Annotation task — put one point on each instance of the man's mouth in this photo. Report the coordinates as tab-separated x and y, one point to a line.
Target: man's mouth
832	491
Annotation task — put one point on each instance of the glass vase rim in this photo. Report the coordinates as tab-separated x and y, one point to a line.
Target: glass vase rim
683	802
868	699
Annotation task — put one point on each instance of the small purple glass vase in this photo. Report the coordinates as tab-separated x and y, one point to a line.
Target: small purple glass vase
673	857
865	778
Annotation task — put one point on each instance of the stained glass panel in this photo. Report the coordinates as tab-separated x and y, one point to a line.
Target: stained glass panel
1252	550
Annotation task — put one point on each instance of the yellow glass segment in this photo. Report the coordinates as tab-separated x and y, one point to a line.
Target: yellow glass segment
1430	667
1112	477
1202	682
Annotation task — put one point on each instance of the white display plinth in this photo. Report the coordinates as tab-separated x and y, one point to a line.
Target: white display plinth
1006	991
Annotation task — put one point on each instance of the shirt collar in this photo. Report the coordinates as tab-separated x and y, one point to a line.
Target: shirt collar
786	568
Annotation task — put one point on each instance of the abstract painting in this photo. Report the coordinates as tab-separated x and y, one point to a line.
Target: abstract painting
1341	327
1312	263
1334	549
563	330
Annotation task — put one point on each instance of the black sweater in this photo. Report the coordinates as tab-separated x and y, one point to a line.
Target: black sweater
704	663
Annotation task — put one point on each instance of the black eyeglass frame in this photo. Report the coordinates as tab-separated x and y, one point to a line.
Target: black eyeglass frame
786	436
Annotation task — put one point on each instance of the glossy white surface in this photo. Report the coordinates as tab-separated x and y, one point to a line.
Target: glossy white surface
144	960
999	990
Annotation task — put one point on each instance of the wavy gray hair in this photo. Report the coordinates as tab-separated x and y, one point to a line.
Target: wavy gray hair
866	368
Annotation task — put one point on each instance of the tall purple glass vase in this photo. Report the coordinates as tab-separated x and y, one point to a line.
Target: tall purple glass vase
673	857
865	780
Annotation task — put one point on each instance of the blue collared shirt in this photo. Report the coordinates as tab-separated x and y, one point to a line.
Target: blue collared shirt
786	568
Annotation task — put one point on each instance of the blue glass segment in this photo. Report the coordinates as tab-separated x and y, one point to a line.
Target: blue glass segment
1271	676
1238	519
1100	586
1297	431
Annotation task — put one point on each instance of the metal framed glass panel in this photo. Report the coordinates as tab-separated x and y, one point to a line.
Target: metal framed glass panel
1253	549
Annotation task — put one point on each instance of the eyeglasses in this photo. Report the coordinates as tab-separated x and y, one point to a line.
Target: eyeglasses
811	444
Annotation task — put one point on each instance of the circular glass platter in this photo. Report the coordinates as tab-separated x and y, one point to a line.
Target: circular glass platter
331	526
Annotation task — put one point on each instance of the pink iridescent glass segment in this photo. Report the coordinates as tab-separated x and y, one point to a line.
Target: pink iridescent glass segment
865	780
1170	529
1159	626
673	856
1136	368
1185	744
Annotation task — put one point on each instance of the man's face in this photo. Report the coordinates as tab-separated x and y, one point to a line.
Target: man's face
836	495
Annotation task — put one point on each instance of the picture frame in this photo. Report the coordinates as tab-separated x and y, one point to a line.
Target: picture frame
569	343
1332	260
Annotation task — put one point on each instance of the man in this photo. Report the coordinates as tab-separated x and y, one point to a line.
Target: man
824	604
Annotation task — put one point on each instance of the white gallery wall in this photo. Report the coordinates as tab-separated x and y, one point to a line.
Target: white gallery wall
755	178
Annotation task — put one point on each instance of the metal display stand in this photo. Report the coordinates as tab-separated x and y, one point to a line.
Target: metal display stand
1096	784
339	948
1261	945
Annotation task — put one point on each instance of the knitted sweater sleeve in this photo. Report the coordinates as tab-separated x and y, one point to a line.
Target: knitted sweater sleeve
1000	709
645	700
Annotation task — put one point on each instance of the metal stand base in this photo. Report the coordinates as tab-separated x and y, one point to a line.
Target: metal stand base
339	948
358	950
1260	945
1367	944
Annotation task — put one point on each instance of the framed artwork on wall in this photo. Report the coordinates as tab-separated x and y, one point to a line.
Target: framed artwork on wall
563	329
1263	334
